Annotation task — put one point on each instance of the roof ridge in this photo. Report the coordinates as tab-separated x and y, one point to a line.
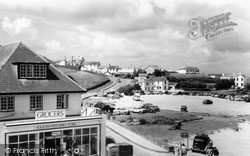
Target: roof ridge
19	43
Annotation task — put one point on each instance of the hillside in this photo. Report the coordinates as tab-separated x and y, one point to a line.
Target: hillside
87	80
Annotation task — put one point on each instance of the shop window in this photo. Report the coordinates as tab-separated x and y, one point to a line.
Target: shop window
7	103
67	132
36	102
93	130
23	142
13	139
78	132
62	101
85	131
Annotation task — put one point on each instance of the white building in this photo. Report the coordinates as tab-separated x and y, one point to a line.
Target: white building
90	66
113	69
188	70
40	108
125	71
154	84
240	80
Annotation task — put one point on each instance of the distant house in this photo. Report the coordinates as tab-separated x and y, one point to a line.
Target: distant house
172	85
75	61
90	66
113	69
125	71
61	62
188	70
102	69
152	68
215	76
154	84
240	80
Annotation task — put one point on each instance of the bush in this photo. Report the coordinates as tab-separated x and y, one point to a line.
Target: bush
142	121
224	84
129	89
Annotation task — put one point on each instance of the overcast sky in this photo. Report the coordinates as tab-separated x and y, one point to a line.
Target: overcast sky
129	32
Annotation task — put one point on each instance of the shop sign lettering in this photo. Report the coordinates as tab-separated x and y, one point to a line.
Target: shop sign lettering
50	114
55	125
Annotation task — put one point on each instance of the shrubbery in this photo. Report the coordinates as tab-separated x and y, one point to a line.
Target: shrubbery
129	89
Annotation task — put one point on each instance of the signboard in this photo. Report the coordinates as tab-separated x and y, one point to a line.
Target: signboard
184	135
50	114
56	125
56	133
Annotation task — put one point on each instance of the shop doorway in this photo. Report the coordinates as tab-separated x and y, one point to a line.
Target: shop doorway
52	146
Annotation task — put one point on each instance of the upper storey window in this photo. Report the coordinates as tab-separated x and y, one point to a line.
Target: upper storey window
37	71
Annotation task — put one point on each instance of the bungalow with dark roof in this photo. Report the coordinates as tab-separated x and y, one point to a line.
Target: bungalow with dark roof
189	70
39	105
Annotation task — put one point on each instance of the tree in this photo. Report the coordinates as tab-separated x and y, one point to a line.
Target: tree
248	86
224	84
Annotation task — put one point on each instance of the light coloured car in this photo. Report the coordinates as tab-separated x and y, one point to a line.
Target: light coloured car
138	110
122	111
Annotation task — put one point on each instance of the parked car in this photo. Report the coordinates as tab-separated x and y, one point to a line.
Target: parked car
122	111
109	140
200	143
184	108
125	149
146	104
207	102
152	109
138	110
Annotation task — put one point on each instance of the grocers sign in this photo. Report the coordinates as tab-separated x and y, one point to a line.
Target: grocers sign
50	114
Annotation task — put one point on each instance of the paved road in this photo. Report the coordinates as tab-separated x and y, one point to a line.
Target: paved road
142	147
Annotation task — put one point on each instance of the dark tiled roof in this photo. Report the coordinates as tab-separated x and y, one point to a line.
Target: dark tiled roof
10	84
189	68
113	67
153	66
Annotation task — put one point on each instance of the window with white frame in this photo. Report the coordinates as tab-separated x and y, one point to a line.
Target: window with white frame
36	102
32	71
7	103
62	101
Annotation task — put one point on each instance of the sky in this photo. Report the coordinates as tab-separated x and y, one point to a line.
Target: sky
129	33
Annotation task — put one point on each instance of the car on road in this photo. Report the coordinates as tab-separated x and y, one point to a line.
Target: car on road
118	81
121	111
138	110
184	108
207	102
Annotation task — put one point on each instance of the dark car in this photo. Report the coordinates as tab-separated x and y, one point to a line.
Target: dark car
200	142
184	108
109	140
125	149
151	109
207	102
